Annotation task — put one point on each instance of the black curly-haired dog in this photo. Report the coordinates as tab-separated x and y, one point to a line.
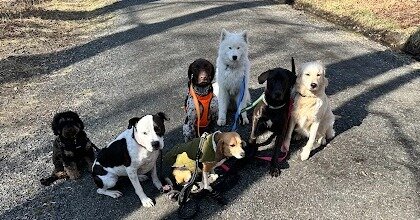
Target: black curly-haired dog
71	148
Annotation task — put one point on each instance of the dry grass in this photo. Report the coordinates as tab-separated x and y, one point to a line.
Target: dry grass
41	26
383	16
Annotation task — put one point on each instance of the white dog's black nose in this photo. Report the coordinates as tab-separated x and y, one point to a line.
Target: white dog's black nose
234	57
155	145
313	85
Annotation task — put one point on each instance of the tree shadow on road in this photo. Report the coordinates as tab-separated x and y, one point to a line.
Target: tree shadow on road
80	15
46	63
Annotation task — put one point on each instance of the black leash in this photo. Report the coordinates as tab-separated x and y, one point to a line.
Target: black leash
183	202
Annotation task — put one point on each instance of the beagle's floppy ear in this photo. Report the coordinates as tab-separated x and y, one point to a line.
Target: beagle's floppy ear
220	148
132	122
263	76
163	116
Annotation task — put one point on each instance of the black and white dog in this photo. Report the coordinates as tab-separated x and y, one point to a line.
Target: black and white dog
133	153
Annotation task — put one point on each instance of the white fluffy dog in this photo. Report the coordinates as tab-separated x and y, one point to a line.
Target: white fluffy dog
312	116
232	65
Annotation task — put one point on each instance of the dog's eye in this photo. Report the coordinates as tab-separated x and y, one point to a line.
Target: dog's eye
238	48
307	74
318	74
230	48
232	145
145	133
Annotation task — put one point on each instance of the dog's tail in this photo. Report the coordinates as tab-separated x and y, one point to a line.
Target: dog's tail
293	66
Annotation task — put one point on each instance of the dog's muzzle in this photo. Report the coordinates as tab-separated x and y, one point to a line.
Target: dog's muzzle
155	145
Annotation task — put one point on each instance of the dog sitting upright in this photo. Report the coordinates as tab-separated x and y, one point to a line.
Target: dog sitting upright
217	147
312	116
273	112
232	68
71	147
200	76
133	151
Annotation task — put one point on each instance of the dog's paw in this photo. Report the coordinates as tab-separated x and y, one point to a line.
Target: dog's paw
147	202
245	120
286	146
221	122
143	177
305	154
209	188
330	134
297	137
322	141
73	174
275	170
114	193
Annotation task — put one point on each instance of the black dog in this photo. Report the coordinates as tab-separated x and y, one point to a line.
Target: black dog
71	147
200	75
273	112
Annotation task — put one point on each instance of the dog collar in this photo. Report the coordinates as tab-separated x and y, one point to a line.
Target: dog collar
272	107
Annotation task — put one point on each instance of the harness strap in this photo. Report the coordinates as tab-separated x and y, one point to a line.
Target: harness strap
197	108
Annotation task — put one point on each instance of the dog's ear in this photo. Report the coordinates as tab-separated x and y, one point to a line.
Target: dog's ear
263	76
212	73
132	122
163	116
54	124
245	36
223	35
292	78
190	72
220	148
293	66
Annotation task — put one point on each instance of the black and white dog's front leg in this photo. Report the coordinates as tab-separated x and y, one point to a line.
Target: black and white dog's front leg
132	175
158	184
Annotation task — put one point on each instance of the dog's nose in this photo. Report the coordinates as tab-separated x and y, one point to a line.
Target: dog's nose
313	85
242	154
155	145
234	57
204	77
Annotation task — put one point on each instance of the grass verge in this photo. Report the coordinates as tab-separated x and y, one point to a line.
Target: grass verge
391	22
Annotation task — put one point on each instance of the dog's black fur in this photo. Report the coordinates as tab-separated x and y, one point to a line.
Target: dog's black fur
266	117
201	73
71	148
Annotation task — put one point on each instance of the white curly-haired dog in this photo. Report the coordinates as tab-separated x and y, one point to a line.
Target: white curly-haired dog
311	116
232	65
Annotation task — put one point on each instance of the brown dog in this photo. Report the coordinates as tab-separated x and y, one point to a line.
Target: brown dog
217	147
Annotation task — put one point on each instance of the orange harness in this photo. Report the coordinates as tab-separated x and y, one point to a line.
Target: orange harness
203	117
